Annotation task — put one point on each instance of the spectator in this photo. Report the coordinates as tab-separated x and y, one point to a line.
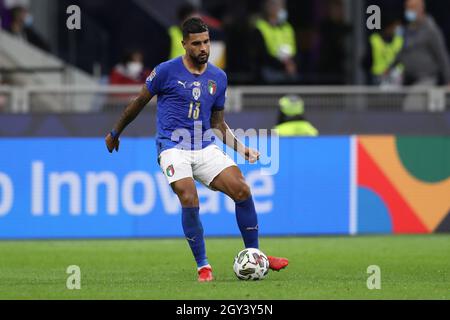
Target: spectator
424	54
22	28
292	121
383	50
275	47
130	71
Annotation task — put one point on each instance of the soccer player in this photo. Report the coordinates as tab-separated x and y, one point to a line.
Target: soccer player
191	100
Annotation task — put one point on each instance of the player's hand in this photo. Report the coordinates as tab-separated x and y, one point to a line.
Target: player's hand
251	155
111	143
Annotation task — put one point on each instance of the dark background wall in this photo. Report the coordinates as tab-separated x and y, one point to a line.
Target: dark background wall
110	27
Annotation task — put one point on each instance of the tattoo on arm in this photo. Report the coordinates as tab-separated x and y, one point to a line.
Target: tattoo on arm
133	109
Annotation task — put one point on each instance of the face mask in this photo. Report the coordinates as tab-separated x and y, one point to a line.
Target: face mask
282	16
410	15
134	69
29	20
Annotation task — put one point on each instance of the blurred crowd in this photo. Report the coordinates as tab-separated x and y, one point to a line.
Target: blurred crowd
16	18
264	42
267	47
413	53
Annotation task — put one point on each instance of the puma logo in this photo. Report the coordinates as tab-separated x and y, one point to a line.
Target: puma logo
253	229
182	83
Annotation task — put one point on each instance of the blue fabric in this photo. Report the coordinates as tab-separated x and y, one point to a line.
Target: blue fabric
180	93
248	222
193	230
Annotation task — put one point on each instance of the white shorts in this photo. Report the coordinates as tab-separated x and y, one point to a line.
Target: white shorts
201	165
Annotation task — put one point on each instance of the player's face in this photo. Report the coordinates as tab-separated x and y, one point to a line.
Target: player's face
197	47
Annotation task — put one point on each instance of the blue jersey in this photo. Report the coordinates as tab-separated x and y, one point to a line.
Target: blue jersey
185	104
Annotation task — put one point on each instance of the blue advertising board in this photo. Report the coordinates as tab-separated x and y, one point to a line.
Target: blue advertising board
73	188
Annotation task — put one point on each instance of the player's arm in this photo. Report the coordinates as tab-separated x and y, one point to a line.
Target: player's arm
129	114
223	131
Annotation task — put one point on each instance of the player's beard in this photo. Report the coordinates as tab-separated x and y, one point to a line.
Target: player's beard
200	60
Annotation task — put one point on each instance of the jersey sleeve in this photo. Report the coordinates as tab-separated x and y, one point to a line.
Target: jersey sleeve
222	94
155	81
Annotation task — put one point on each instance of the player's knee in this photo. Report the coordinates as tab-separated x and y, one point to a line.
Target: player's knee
242	192
188	199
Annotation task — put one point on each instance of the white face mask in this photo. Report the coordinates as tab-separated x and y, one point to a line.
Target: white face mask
134	69
411	15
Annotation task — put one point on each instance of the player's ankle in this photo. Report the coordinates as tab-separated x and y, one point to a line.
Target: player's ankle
205	266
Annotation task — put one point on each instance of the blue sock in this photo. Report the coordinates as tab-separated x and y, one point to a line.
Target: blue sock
248	222
193	230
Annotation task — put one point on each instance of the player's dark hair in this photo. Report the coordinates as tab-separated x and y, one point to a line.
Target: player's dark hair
194	25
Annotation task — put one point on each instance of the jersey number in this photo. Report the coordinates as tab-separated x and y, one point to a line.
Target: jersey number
194	110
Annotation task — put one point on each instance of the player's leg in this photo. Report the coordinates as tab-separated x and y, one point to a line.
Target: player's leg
231	182
177	168
193	230
219	172
192	226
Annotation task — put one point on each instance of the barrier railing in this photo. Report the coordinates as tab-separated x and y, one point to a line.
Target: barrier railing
82	99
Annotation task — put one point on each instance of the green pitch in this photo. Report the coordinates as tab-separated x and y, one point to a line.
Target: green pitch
412	267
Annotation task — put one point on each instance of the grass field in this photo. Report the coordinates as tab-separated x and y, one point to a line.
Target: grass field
412	267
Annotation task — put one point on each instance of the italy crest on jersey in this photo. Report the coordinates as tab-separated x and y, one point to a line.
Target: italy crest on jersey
212	87
196	93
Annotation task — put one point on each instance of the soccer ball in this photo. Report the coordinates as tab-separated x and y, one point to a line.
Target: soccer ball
251	264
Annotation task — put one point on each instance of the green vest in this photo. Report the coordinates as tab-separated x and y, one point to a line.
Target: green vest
296	128
279	40
384	54
176	36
